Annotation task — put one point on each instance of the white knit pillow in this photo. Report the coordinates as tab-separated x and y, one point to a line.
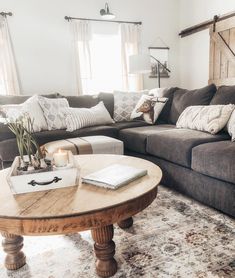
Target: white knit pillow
211	118
76	118
231	126
30	107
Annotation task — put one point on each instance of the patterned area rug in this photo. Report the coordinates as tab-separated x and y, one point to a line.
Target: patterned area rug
174	237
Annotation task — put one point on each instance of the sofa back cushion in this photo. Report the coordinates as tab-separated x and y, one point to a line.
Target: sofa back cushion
183	98
224	95
11	99
165	114
108	100
84	101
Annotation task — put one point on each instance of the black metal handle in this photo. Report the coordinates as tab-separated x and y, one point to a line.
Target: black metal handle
55	180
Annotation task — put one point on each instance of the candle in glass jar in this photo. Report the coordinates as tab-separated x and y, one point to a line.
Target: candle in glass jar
60	158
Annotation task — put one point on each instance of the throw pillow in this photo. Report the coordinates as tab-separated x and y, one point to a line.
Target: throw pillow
148	108
32	107
211	118
11	111
231	126
52	111
184	98
124	103
158	92
76	118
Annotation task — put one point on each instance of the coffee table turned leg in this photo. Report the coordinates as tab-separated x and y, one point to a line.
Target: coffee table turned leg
126	223
12	245
106	266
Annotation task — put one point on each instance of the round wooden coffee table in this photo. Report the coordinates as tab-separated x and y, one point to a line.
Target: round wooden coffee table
74	209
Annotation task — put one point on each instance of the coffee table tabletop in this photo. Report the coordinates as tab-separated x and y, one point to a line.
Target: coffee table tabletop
78	208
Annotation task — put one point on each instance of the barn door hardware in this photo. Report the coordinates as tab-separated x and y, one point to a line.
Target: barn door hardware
214	22
206	24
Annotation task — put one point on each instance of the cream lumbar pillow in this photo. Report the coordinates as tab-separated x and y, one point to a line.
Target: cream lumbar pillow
211	118
231	126
76	118
148	108
52	111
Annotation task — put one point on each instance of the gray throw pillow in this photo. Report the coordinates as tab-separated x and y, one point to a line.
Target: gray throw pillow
183	98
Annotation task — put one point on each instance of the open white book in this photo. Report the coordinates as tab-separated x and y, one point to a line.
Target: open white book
114	176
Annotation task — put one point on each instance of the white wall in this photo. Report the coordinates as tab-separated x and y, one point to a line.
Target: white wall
194	49
42	38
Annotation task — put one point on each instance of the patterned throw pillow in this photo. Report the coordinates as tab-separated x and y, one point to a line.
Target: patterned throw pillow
52	111
211	118
11	111
148	108
124	103
231	126
76	118
32	107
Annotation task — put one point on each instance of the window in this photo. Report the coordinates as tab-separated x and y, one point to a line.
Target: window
106	67
103	51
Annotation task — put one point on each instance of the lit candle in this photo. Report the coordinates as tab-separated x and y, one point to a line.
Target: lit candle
60	158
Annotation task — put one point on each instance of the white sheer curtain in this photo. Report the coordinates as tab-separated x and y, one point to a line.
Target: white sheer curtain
102	53
9	84
130	44
82	41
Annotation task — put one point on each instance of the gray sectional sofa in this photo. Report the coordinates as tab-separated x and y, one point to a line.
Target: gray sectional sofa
195	163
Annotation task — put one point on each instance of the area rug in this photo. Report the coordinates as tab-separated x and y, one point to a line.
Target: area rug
174	237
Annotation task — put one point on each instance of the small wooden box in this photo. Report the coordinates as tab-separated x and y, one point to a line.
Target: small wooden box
33	182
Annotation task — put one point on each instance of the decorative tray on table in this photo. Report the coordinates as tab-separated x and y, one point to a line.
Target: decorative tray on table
47	179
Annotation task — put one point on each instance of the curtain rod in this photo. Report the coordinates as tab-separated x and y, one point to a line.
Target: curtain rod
102	20
6	14
204	25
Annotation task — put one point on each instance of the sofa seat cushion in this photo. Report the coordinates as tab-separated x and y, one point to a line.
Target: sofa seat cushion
123	125
8	148
47	136
216	160
176	145
134	139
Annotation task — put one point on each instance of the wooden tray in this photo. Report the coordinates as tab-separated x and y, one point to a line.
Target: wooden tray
33	182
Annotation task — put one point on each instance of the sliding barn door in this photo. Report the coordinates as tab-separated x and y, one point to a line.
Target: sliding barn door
222	53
